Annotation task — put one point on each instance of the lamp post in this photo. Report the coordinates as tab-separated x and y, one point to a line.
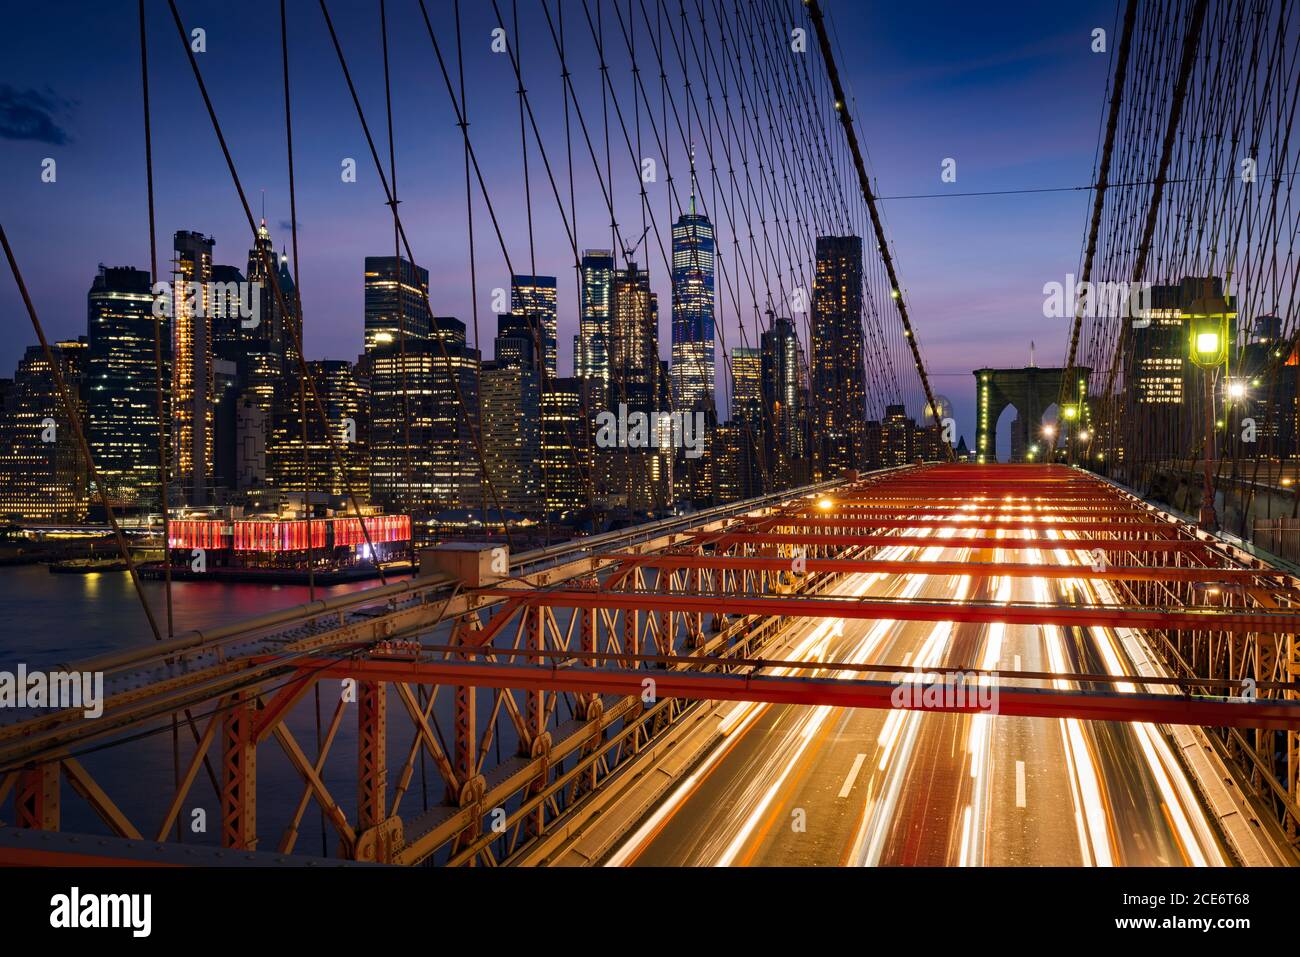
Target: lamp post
1208	348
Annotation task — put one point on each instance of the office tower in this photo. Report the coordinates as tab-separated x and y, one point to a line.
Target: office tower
249	470
270	366
746	385
1267	372
227	333
566	447
345	395
192	376
591	347
785	405
1165	400
838	376
634	341
394	301
632	468
423	456
735	465
121	382
226	400
693	333
747	411
510	394
895	436
43	475
533	298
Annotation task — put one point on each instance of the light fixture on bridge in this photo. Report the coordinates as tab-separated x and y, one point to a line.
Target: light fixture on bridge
1208	325
1084	435
1070	411
825	504
1207	320
1237	389
1049	432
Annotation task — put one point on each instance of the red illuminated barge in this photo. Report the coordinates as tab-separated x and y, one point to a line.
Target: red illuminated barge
285	550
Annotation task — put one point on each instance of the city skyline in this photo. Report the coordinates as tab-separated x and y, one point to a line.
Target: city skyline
669	434
341	223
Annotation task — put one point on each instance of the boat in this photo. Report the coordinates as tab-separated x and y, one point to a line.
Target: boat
86	566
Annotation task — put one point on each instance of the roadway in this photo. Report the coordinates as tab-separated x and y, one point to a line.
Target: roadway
794	785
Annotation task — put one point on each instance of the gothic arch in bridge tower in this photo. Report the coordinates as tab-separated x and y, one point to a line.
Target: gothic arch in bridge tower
1032	391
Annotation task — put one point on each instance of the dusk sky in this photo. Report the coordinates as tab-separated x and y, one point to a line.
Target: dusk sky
1013	94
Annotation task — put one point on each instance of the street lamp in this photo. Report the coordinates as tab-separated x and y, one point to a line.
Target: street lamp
1207	321
1237	389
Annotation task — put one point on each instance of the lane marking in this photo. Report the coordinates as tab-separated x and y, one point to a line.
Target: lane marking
1017	662
1020	784
853	775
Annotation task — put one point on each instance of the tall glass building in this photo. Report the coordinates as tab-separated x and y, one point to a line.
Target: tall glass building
839	398
533	298
193	386
394	301
693	332
121	385
591	345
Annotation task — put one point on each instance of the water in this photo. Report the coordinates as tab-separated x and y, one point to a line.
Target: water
61	619
48	620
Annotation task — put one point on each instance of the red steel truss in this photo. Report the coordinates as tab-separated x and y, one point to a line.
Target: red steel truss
522	696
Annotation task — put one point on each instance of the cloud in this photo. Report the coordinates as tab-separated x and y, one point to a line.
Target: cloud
287	224
31	115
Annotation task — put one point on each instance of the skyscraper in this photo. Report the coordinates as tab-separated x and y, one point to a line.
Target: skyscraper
633	340
634	474
120	392
193	399
566	451
345	395
746	385
785	411
422	452
1165	404
838	376
747	413
533	298
43	476
511	402
394	301
693	332
268	344
591	346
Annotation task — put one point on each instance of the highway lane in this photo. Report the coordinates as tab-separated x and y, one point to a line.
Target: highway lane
791	785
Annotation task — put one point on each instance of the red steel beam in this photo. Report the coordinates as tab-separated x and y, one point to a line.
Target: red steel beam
1108	545
1154	528
1269	713
977	569
928	507
875	609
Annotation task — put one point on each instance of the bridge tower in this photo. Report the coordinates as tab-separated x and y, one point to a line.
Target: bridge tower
1031	391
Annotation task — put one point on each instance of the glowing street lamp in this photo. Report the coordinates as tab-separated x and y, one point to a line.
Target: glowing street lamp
1207	322
1084	435
1237	389
825	504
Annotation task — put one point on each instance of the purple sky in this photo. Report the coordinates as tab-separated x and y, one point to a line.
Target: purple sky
1012	94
